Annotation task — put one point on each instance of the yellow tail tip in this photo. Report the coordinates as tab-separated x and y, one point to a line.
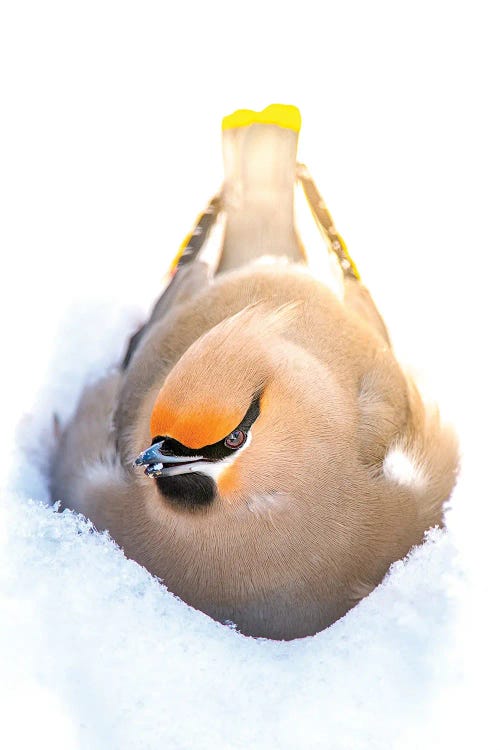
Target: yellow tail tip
284	115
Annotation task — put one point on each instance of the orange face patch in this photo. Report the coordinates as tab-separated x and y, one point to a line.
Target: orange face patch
229	480
195	428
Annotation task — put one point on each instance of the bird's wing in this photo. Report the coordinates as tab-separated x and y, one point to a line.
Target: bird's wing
190	271
86	456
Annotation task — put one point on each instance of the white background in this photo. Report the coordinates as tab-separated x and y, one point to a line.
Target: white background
110	145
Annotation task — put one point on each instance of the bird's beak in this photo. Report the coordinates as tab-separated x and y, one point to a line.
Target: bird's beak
160	464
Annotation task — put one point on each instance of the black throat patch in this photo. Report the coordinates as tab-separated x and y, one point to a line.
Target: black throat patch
192	491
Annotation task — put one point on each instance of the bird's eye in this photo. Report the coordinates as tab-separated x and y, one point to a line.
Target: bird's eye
235	439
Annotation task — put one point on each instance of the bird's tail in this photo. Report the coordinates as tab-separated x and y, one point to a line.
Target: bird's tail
260	165
268	205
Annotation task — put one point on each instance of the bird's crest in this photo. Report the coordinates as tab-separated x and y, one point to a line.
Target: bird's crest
207	393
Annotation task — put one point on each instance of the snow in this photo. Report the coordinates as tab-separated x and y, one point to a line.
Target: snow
126	660
99	189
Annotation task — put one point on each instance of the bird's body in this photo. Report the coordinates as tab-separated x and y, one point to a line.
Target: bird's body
296	460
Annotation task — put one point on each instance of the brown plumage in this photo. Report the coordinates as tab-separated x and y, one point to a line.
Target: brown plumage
341	469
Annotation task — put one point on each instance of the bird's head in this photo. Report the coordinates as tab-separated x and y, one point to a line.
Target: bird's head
234	417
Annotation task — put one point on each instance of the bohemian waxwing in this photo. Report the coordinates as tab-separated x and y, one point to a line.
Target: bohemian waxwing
260	449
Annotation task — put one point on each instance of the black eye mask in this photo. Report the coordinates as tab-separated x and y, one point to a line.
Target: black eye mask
216	451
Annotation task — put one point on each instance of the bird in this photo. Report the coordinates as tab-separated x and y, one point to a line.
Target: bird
260	449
